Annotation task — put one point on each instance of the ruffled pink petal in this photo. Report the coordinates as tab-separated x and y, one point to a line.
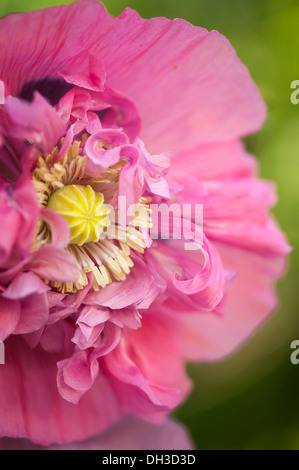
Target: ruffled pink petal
92	76
249	301
107	341
136	393
60	232
120	111
91	322
141	172
77	374
34	314
9	274
92	316
31	407
54	264
86	336
82	107
196	280
224	204
72	131
100	157
23	285
139	286
75	104
131	178
155	168
37	122
126	317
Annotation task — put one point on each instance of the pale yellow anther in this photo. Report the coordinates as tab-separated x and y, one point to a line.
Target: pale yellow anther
83	209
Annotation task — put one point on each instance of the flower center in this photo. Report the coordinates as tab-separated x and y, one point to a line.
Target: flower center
83	209
64	187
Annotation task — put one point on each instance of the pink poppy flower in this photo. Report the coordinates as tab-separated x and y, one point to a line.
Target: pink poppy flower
98	315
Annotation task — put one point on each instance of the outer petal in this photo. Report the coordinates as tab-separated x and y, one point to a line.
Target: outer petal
235	202
218	100
136	392
157	353
249	301
129	434
134	434
31	407
223	160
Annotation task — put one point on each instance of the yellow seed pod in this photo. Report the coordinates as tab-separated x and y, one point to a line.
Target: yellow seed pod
83	209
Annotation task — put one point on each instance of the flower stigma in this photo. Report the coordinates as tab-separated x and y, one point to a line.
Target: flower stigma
83	209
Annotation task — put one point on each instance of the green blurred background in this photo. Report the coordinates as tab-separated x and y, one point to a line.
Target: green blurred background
251	400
